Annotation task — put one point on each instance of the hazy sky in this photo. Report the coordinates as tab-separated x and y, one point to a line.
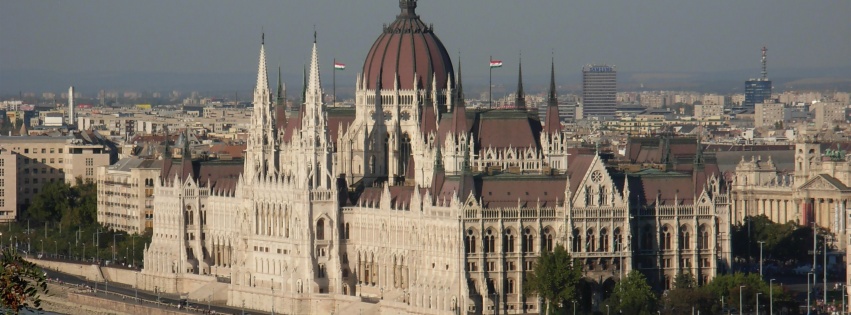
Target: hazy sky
216	36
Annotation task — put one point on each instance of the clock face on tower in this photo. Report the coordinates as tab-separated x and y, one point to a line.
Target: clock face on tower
596	177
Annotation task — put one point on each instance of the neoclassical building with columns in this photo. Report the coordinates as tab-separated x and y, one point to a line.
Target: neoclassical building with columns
815	193
411	203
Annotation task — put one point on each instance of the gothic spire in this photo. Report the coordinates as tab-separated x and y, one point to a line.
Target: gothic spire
262	86
459	94
303	84
279	94
552	98
166	150
520	101
314	89
552	121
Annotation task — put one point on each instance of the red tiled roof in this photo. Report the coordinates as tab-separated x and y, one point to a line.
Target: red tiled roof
577	166
508	192
552	123
501	132
335	130
235	150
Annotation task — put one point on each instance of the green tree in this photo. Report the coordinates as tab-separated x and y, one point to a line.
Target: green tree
555	278
728	286
633	296
54	199
686	295
782	241
20	282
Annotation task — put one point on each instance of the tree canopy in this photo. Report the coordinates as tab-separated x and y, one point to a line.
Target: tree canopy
20	282
783	242
555	278
633	296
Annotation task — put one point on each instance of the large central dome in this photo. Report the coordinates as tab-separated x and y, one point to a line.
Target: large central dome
407	46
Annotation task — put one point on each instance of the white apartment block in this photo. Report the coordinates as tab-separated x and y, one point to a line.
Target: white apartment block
708	111
126	194
768	114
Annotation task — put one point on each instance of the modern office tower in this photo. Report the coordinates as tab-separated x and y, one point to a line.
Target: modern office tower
599	86
758	90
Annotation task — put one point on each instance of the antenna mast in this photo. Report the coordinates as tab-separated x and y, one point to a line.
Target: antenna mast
764	69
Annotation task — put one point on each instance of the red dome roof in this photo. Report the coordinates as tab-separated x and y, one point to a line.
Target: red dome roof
407	46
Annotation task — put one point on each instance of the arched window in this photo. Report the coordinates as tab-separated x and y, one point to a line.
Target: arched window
528	241
685	237
590	240
604	240
510	286
470	243
508	245
647	238
320	229
406	153
617	240
489	241
548	239
704	237
577	241
666	238
346	232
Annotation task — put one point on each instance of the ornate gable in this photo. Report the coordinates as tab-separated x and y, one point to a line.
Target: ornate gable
597	187
824	182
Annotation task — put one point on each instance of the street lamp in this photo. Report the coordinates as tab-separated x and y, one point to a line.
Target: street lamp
760	257
808	290
42	247
757	302
574	307
740	300
607	309
771	297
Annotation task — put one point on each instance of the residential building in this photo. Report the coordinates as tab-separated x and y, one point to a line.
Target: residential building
126	194
41	160
769	114
8	185
828	114
708	111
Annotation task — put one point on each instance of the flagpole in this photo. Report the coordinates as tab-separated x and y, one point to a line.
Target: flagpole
490	81
334	81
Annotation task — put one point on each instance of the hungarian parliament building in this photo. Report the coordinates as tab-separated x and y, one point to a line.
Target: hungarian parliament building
411	203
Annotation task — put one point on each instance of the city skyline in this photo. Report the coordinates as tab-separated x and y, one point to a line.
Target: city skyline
55	44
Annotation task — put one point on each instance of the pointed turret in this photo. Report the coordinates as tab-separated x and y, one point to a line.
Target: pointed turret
520	100
552	121
459	93
313	90
281	108
279	94
303	85
167	148
459	114
186	169
428	118
260	155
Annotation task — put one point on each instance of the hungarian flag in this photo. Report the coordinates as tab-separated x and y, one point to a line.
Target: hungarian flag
339	66
496	63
